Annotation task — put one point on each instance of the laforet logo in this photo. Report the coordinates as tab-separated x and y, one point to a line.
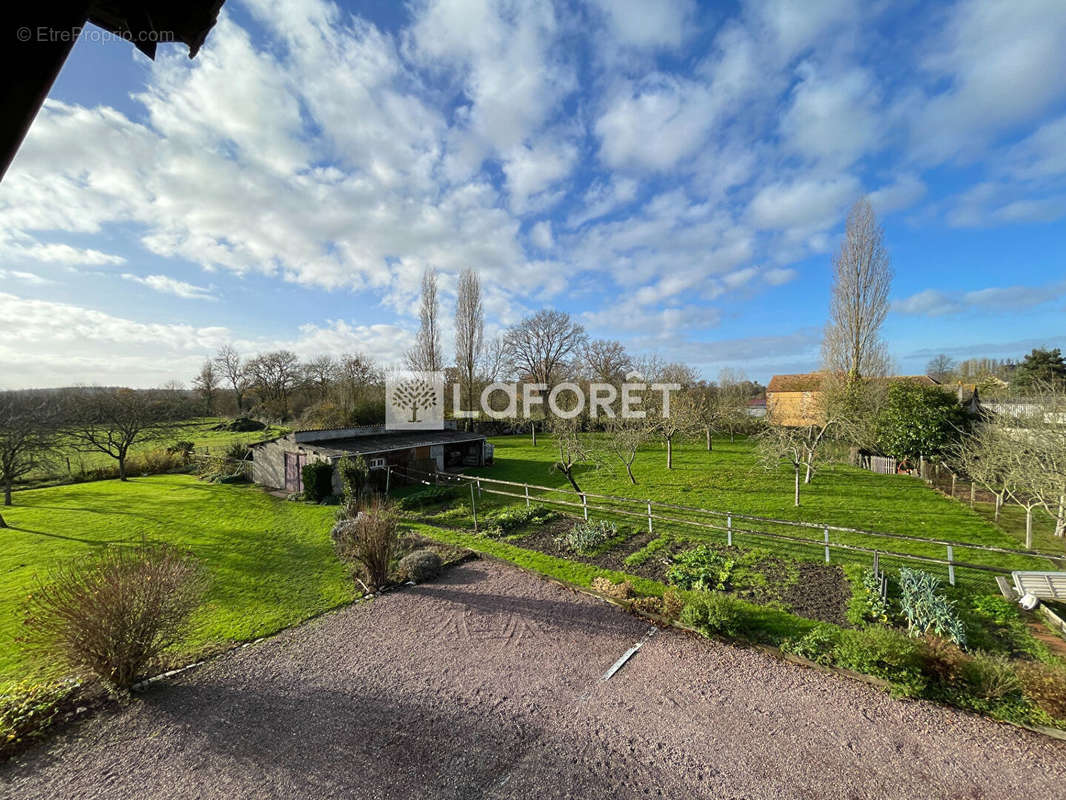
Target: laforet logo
415	401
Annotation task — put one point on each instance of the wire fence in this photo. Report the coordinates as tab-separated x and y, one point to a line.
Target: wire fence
736	528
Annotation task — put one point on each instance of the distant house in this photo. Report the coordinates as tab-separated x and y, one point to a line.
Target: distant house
796	400
757	406
278	463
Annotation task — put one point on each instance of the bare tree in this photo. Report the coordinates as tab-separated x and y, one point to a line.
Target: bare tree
495	360
625	437
27	434
111	421
357	378
940	368
206	384
469	332
274	377
425	356
321	372
541	346
798	446
606	360
231	368
862	278
732	403
572	447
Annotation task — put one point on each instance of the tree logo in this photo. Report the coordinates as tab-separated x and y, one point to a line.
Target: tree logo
414	401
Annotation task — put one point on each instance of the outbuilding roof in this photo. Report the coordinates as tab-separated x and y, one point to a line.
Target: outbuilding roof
387	442
812	381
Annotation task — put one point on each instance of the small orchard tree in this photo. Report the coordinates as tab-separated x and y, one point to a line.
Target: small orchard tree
572	447
112	421
918	421
27	434
624	439
778	443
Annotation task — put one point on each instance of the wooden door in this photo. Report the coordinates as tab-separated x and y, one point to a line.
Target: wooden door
294	479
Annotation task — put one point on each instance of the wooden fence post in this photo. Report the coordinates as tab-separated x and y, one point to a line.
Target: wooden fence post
388	475
650	529
585	506
479	488
951	566
527	495
729	530
827	545
473	506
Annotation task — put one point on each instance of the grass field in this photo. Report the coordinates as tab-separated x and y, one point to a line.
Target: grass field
199	432
730	479
271	562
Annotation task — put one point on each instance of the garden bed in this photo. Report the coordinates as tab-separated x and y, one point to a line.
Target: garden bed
815	591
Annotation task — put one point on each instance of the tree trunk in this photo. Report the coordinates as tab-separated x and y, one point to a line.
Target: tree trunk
7	493
122	467
669	452
1028	527
953	480
629	471
533	432
710	446
807	477
1060	520
999	504
731	439
569	473
2	523
797	495
973	493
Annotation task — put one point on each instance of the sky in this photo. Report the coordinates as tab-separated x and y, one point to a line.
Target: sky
675	175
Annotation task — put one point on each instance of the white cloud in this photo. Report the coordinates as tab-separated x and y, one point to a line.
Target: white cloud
904	192
833	115
31	278
1006	299
806	204
603	198
778	276
1042	154
996	62
168	285
647	23
655	123
541	235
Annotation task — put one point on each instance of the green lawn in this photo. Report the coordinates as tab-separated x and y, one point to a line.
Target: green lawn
730	479
271	562
198	431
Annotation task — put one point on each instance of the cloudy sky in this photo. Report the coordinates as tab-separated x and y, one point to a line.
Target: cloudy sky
675	175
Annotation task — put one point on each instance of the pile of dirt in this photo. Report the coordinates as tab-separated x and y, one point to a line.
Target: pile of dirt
241	425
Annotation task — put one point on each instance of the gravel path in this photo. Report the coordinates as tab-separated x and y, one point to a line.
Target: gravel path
487	684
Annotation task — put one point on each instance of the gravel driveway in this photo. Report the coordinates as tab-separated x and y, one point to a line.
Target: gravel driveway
487	684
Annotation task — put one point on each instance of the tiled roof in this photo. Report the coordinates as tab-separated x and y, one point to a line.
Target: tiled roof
802	382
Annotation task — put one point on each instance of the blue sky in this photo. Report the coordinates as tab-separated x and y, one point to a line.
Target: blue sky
673	174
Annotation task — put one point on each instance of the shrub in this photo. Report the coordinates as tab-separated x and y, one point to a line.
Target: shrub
672	604
355	477
184	449
991	677
431	495
926	609
701	568
883	653
1045	686
421	565
367	542
510	519
113	613
585	537
942	660
818	644
1001	626
28	709
866	605
608	588
714	613
318	480
237	451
